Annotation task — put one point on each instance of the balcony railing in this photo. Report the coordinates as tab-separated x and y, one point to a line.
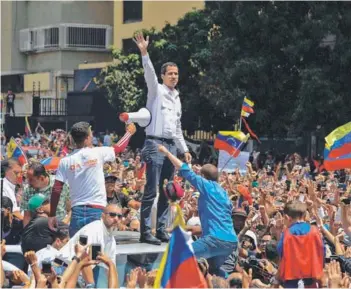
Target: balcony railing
52	107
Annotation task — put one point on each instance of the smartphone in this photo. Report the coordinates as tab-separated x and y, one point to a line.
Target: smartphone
83	240
46	267
126	164
60	262
95	249
346	201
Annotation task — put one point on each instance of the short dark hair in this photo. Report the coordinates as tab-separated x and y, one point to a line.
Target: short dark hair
210	172
6	203
80	131
7	164
272	250
165	65
295	209
38	169
62	231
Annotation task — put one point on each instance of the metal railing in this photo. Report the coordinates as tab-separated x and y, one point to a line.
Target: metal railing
53	106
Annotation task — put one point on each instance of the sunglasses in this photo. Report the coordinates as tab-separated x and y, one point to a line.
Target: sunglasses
114	215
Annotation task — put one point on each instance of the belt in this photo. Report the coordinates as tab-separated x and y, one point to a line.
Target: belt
92	206
166	140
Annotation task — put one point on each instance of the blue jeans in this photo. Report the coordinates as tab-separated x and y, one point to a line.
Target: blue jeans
81	216
215	251
158	168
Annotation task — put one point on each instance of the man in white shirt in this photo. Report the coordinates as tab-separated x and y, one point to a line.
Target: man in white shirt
98	232
165	128
13	177
83	171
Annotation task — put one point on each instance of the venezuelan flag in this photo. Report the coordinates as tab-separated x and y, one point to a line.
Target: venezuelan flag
230	141
337	152
27	129
247	107
179	267
339	141
15	151
51	163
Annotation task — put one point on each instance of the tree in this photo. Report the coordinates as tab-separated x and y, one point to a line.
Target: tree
276	53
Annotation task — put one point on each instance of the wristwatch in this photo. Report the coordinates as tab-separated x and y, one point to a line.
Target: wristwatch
76	258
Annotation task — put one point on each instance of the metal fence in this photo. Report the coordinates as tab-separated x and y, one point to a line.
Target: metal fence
53	106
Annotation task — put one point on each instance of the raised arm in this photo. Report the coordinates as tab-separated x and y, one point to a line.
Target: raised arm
149	70
123	142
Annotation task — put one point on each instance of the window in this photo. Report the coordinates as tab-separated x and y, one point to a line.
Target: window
129	46
51	38
132	11
86	37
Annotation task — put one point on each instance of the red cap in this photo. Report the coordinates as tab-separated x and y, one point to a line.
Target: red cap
173	191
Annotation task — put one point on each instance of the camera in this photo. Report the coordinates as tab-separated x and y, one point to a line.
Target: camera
257	271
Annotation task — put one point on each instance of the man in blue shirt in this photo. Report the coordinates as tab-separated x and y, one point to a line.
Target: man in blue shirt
218	238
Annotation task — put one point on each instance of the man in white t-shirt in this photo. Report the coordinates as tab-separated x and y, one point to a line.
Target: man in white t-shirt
83	171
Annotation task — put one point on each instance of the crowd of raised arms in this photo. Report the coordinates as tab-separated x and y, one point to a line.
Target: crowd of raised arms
280	196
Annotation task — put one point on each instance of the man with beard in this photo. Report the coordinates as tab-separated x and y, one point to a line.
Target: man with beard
98	232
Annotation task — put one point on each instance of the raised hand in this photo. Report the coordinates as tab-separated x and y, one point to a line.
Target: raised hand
141	42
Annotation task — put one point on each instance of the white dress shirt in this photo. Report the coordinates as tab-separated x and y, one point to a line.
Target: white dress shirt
47	254
97	234
9	191
165	107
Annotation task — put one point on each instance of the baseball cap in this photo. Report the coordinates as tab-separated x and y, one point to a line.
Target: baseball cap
239	212
173	191
110	176
36	202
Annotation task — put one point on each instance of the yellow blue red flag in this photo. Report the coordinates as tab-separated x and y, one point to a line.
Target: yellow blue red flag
230	141
337	152
15	151
179	268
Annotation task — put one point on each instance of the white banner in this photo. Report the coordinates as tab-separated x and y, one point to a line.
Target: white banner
233	163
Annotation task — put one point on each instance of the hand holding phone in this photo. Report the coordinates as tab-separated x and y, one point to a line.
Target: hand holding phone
83	240
95	249
46	267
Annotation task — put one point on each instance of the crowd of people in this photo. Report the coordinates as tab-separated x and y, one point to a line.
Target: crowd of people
286	222
277	200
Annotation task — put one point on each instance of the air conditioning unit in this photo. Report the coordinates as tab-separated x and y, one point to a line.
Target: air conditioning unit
25	41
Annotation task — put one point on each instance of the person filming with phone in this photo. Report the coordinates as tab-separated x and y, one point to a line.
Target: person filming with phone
99	234
165	128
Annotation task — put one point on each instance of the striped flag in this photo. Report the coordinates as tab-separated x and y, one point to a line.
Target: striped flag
15	151
27	129
179	268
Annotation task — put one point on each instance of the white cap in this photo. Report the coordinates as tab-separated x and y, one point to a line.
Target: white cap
252	235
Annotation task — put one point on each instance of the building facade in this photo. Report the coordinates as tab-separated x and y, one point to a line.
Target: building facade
131	16
44	42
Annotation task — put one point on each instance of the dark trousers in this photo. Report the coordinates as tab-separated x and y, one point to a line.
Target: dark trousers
10	106
158	168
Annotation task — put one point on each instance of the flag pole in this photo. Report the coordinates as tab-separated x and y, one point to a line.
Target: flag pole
232	155
240	122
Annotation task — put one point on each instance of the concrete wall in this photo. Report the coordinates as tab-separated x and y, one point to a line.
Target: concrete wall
44	13
155	14
87	12
13	19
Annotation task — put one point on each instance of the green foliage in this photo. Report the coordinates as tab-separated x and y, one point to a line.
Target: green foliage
292	58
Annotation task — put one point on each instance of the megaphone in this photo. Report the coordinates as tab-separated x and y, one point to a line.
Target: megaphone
142	117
